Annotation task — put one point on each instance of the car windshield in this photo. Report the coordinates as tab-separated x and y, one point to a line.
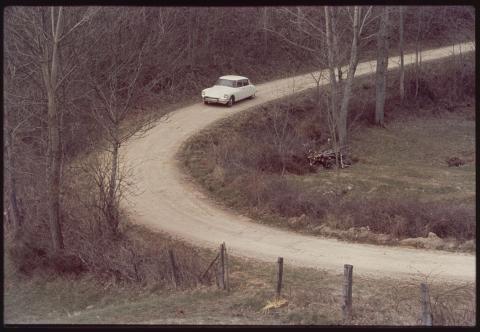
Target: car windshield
224	82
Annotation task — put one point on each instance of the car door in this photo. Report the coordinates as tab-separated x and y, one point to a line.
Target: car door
236	90
239	90
250	89
244	89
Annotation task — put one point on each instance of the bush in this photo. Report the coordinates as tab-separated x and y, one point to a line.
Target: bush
30	256
133	255
404	217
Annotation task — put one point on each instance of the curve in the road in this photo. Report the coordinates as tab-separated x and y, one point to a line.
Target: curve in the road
167	201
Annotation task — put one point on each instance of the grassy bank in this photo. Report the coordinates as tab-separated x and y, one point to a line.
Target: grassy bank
314	297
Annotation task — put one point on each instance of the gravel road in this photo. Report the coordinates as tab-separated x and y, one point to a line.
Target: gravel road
167	201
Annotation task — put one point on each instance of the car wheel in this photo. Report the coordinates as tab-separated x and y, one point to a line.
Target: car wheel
205	102
252	96
231	101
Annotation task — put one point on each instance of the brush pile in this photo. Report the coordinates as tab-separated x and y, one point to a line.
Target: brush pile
327	159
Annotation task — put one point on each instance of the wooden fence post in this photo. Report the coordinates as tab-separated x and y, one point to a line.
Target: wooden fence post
218	274
347	292
208	269
426	311
221	267
225	268
174	267
279	276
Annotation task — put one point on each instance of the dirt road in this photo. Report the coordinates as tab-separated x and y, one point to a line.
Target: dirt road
167	201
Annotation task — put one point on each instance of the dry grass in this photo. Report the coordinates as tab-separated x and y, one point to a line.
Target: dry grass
314	298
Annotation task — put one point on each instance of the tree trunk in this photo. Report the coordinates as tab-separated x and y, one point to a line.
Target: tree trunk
347	91
14	211
265	35
332	105
336	49
54	153
382	64
112	215
417	51
196	31
190	35
331	64
53	173
401	46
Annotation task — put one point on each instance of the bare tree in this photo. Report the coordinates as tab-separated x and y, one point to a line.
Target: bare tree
332	104
336	33
401	49
37	35
324	45
282	136
13	210
382	64
49	68
301	31
21	119
265	26
423	19
119	83
358	23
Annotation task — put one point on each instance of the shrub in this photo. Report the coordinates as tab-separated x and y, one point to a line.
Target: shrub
404	217
30	255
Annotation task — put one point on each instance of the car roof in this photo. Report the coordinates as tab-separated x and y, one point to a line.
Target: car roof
233	77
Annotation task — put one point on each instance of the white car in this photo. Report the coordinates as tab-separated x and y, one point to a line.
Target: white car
228	90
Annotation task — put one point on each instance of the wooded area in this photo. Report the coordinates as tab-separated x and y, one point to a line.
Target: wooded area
81	81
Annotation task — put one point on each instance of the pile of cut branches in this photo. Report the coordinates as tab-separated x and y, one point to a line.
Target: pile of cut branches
328	158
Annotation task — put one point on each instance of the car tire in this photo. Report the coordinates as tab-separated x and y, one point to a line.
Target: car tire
231	101
205	102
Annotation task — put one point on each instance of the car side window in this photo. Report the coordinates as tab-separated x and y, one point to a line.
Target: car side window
237	84
245	82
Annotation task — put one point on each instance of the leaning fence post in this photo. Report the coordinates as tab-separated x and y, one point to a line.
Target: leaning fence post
426	312
347	292
225	268
279	276
174	267
221	267
208	269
